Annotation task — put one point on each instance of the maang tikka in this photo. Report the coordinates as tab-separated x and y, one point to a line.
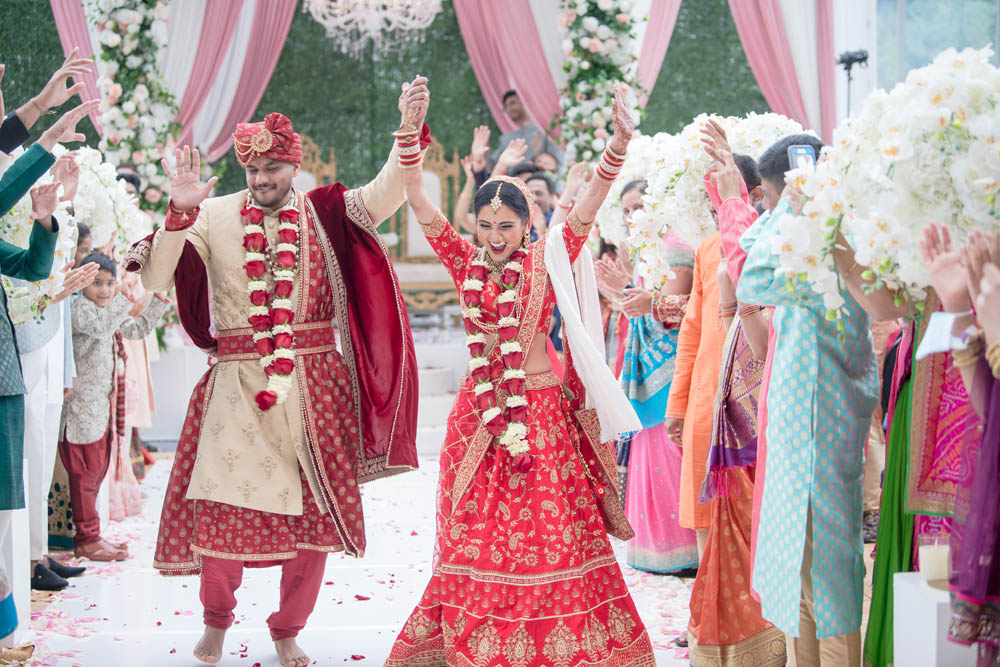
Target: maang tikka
495	203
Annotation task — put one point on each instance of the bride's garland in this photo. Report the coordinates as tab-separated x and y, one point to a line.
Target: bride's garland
271	313
507	423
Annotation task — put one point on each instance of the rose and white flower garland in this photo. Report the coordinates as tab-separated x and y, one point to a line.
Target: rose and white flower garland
599	46
507	423
137	109
271	313
924	152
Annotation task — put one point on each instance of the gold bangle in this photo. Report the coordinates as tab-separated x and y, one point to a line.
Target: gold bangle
968	355
993	358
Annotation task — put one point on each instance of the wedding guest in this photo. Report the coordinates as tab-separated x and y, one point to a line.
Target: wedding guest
93	415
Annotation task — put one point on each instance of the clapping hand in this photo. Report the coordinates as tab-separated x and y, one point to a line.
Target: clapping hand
64	129
67	172
623	122
186	189
480	147
413	104
638	302
58	90
512	155
578	176
75	280
43	203
723	172
945	266
981	250
988	302
611	274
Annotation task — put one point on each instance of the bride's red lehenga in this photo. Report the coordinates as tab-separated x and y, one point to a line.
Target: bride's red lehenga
524	573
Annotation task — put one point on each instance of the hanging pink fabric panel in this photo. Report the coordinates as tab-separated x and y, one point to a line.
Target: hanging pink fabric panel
659	28
74	32
216	34
762	33
272	20
827	65
484	56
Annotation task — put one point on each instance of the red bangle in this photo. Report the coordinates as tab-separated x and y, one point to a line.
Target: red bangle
177	220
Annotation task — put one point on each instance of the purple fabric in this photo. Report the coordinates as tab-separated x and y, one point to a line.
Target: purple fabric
73	31
975	580
734	432
271	21
217	31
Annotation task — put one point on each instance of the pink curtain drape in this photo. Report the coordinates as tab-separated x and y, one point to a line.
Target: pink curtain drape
827	65
520	48
762	33
74	32
659	28
484	56
217	31
270	28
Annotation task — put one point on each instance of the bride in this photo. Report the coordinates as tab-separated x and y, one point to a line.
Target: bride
524	573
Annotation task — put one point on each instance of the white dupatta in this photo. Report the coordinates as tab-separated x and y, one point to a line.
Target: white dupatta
580	310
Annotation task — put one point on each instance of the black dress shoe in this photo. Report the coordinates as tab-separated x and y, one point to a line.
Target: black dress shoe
65	571
45	579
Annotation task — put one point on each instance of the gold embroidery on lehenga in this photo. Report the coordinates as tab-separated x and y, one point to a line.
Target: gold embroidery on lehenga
594	640
420	627
519	648
484	643
561	645
620	624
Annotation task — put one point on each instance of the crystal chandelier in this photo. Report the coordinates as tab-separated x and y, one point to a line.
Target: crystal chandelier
388	24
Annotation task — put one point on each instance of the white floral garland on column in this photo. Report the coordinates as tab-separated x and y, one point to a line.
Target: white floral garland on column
137	109
600	51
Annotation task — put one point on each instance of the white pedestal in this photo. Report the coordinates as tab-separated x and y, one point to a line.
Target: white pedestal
920	625
16	557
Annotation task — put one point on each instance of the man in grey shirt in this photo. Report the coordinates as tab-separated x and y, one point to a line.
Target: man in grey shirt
537	141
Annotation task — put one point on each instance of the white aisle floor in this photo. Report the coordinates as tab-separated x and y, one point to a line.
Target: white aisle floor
125	614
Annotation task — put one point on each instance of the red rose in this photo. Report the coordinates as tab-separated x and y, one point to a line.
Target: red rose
286	258
513	359
266	400
288	235
269	370
281	315
253	216
507	333
481	374
254	242
259	322
485	400
283	366
505	308
288	215
477	349
522	462
518	413
496	426
472	298
255	269
515	386
283	340
518	256
265	346
478	272
283	288
258	297
510	277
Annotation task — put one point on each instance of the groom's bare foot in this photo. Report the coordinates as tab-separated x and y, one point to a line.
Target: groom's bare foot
209	649
289	653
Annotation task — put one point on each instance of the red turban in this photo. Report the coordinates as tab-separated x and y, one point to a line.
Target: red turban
273	138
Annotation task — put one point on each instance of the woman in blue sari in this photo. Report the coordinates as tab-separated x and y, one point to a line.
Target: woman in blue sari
651	498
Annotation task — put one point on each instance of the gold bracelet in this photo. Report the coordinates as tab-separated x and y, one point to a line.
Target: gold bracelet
993	358
968	355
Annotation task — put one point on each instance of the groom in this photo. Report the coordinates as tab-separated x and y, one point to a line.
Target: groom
283	429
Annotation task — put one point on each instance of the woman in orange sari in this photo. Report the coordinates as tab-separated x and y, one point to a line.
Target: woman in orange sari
524	573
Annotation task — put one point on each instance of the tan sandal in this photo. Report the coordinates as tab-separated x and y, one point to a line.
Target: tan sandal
16	656
100	551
